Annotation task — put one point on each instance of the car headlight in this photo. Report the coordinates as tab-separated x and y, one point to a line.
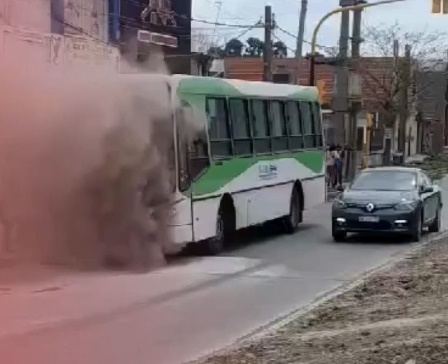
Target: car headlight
339	203
406	205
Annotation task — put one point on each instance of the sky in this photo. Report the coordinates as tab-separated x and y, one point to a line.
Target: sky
412	15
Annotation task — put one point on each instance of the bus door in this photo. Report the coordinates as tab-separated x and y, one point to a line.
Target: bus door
183	204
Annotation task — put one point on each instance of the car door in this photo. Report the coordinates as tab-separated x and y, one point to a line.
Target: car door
429	199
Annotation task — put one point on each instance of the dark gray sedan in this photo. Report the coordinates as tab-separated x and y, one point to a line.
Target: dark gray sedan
395	200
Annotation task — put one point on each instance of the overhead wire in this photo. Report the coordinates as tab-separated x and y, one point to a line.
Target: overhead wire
305	41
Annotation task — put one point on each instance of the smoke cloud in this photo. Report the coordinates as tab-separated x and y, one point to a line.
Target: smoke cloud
86	164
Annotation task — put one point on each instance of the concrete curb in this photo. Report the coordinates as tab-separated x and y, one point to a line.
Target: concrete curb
280	322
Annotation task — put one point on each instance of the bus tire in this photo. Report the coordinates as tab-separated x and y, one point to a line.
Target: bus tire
225	227
294	218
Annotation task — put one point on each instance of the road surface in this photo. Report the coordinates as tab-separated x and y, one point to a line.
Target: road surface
183	311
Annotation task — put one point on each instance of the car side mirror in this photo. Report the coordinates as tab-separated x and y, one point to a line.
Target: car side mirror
426	189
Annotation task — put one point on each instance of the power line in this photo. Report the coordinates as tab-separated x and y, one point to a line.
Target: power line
305	41
281	40
242	34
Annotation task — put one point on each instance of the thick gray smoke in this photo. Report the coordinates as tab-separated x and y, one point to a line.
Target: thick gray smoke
85	166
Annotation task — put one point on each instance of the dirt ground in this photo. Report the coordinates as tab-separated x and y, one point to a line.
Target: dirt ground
398	316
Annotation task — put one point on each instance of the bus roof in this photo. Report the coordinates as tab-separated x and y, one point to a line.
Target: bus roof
200	85
240	88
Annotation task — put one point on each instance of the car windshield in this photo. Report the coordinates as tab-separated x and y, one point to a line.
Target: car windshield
385	181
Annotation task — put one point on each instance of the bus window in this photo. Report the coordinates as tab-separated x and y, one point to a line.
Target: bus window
172	164
182	152
279	132
308	127
242	143
260	127
294	125
219	130
198	157
317	121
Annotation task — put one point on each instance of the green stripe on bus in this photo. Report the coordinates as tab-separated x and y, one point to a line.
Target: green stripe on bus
217	176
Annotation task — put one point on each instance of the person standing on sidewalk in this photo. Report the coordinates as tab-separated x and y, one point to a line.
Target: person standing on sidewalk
338	155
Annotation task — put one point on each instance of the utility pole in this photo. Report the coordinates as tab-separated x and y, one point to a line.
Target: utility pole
340	101
404	74
267	53
300	35
355	105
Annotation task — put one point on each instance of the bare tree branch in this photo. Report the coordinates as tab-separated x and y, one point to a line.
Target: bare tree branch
383	77
202	39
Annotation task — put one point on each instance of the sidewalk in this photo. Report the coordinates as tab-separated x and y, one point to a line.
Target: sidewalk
398	315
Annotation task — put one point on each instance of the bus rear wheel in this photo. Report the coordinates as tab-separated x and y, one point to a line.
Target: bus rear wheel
292	220
225	227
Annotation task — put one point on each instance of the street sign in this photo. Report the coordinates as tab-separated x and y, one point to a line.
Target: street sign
388	133
156	38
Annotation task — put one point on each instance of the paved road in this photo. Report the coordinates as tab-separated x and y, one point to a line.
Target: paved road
185	310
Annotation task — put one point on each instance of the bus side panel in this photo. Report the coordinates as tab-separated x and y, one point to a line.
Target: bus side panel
241	202
205	213
312	190
269	203
181	222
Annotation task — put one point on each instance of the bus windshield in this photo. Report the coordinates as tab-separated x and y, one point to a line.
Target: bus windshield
193	152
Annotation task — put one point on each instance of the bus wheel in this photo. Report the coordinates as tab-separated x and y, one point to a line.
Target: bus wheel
292	220
225	226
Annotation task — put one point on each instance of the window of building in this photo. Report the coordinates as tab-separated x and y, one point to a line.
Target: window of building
308	125
284	78
260	127
239	114
219	127
294	125
279	132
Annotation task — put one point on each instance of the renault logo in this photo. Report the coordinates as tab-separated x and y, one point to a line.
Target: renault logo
370	207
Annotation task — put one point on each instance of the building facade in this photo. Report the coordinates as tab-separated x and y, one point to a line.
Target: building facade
64	17
166	17
56	33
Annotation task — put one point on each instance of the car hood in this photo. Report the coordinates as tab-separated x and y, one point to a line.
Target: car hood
378	197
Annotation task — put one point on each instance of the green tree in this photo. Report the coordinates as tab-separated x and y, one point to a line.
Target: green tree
234	48
216	52
254	47
280	49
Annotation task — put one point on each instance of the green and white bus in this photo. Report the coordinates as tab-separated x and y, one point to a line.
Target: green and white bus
257	155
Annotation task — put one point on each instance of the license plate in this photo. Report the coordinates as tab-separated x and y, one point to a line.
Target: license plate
369	218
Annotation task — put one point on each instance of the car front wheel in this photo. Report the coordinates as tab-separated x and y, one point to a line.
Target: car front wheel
338	235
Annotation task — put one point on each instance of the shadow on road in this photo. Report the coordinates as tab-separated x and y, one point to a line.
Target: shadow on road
255	235
380	239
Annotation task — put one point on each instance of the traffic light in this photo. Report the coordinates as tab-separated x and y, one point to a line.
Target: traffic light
321	89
